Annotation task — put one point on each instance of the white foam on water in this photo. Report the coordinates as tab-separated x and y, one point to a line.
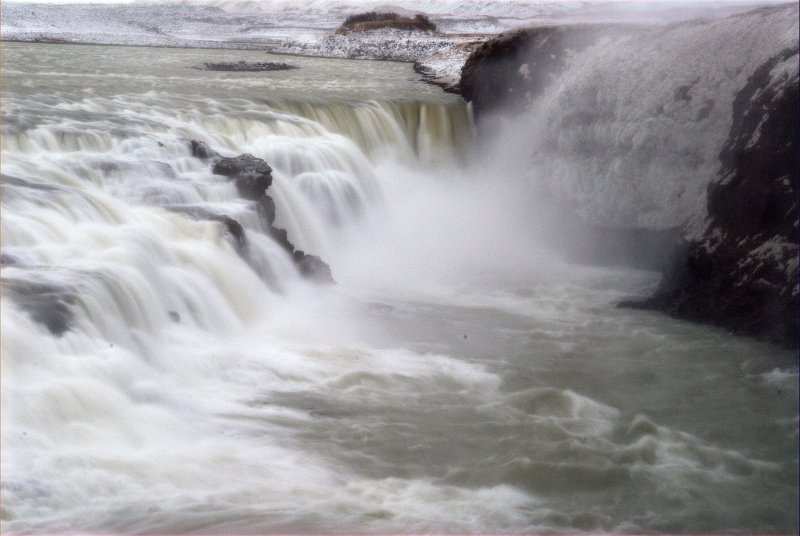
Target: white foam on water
200	387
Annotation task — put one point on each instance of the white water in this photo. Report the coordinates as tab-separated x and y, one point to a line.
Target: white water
631	131
459	377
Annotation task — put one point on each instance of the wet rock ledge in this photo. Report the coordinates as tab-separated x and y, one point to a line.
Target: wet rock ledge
252	177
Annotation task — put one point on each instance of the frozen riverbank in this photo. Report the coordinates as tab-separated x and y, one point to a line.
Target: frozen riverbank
439	56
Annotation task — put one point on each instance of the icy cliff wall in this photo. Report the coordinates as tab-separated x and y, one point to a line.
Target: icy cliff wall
742	272
685	126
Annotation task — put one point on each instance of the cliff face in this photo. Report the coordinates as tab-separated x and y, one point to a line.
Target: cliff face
742	273
739	269
507	73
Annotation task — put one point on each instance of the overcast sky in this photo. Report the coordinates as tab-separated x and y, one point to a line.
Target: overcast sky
676	2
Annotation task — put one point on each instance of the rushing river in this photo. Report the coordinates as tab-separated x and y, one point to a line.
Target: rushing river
459	377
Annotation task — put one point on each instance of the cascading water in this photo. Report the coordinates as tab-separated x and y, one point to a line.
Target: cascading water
630	131
160	378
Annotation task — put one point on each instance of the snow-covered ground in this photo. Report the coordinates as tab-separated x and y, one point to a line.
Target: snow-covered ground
304	26
438	57
282	27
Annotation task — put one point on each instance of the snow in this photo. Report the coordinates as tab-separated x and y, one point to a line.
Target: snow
439	57
295	26
283	26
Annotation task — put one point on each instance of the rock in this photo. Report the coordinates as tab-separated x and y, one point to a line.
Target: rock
742	273
313	267
281	237
266	210
369	21
203	151
47	303
243	66
509	71
8	260
252	175
310	266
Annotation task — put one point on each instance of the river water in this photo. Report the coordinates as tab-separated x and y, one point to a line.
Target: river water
461	376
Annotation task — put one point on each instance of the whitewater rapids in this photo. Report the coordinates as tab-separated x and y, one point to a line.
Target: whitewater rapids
460	377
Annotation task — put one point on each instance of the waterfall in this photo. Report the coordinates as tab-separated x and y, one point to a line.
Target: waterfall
121	305
166	367
628	129
90	200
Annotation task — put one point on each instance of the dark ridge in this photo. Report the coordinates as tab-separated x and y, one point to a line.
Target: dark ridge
243	66
373	20
202	150
370	16
47	304
8	260
253	176
506	73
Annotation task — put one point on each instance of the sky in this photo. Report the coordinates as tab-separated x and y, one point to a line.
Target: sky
639	2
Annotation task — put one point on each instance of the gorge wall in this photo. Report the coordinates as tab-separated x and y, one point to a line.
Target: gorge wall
689	128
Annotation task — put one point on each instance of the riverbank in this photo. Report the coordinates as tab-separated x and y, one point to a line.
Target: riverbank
438	56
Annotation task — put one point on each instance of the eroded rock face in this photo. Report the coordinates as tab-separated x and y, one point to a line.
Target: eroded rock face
509	71
742	273
252	177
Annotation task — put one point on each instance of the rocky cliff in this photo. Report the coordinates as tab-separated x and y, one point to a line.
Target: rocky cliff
737	266
252	177
508	72
742	273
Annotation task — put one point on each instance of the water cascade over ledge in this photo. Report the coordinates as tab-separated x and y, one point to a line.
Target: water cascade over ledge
166	368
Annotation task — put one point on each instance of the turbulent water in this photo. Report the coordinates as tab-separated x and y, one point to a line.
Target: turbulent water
158	376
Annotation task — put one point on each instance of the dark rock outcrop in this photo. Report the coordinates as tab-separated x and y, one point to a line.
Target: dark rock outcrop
47	303
252	177
512	69
202	150
313	267
8	260
742	273
265	206
372	20
243	66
